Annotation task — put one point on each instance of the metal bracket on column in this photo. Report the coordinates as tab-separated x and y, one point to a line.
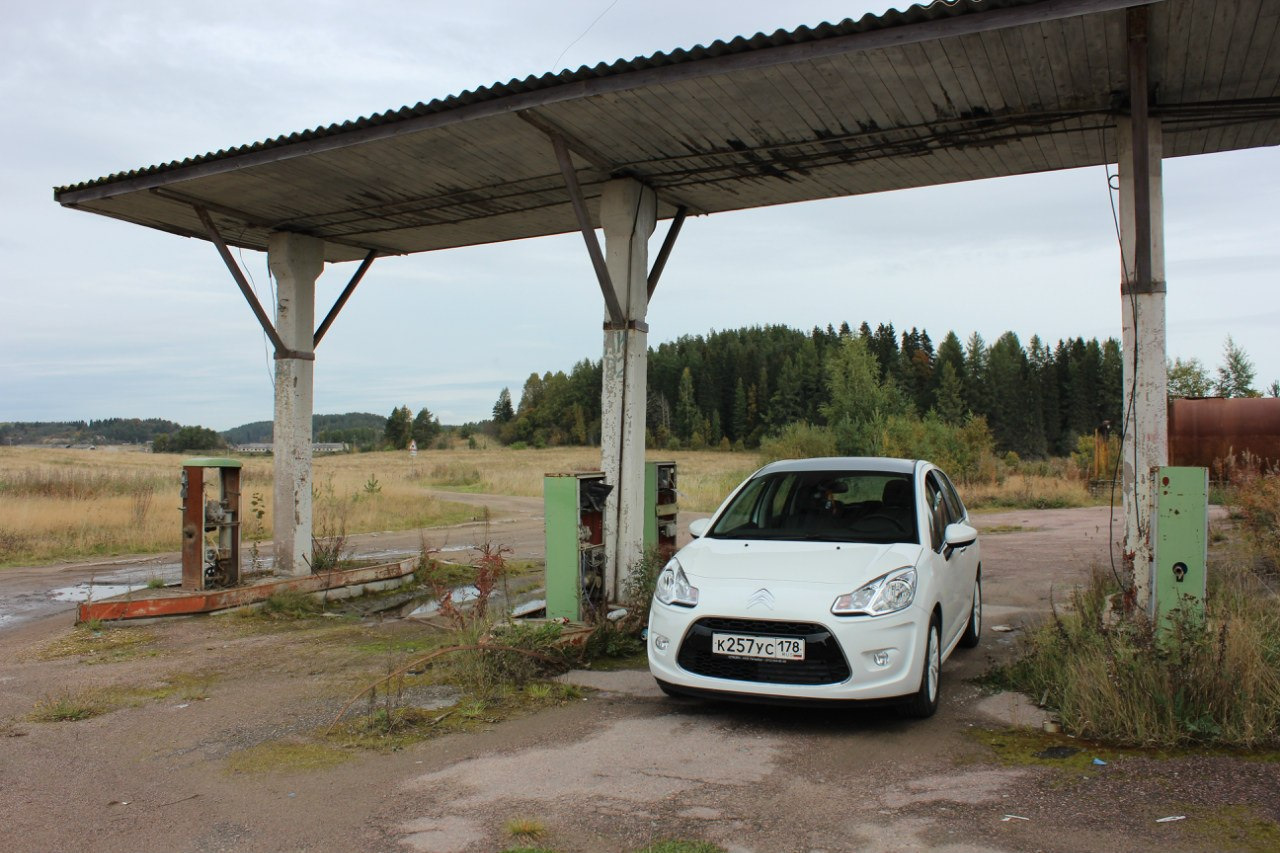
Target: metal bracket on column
1139	110
614	308
627	325
345	295
665	252
281	350
1140	286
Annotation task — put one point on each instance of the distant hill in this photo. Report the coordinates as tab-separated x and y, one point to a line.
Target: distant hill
106	431
355	428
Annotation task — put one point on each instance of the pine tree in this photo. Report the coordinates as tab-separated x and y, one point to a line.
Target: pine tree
399	427
1236	375
503	411
425	428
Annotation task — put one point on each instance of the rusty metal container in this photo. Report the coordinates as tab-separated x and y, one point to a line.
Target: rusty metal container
1205	431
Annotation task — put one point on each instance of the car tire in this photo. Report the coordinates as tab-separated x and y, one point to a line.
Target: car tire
924	702
973	631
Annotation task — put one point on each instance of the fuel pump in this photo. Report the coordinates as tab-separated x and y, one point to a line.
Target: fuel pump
1181	541
660	508
574	510
210	523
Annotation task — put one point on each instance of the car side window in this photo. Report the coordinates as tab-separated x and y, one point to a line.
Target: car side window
949	494
937	510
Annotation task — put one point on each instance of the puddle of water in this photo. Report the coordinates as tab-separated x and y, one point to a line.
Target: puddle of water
84	591
459	596
528	607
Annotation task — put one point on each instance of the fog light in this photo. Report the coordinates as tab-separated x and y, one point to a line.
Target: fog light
660	642
880	658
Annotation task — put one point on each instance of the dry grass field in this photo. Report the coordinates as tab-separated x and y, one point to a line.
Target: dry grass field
67	504
64	504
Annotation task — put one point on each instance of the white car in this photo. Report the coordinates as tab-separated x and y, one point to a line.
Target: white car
818	580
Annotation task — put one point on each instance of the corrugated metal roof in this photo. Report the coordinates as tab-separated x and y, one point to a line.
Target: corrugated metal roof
948	92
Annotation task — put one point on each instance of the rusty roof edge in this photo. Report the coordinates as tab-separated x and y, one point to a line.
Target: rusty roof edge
940	19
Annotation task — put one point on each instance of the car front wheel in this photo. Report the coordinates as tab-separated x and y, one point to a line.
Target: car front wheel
925	700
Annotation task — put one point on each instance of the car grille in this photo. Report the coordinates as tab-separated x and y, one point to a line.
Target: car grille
823	662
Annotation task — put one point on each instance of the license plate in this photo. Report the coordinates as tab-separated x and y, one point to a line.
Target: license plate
766	648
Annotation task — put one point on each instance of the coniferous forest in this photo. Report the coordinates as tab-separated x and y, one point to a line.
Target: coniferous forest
843	390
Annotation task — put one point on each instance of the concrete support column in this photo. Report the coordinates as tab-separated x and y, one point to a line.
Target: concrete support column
1146	437
628	212
296	261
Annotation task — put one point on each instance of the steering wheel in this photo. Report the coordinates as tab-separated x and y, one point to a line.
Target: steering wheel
879	516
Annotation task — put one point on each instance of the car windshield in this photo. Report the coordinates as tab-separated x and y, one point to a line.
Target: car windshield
825	506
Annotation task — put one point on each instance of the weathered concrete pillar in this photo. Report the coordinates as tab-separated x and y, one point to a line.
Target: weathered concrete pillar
628	212
296	261
1146	438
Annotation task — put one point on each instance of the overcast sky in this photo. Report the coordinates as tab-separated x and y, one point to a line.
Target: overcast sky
100	318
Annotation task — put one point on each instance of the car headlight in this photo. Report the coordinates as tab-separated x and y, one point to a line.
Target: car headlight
886	594
674	588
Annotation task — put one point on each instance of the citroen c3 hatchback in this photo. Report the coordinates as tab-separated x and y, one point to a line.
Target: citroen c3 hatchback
820	580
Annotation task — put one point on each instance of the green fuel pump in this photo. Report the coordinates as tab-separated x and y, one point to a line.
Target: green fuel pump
1181	540
573	505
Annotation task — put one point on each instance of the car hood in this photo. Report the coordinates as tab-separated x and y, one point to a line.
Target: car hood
844	564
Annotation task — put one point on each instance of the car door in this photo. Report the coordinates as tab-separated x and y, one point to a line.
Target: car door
962	563
955	583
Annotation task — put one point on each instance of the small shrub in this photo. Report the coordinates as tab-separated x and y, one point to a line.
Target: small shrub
1257	501
488	672
526	828
1209	678
67	708
291	604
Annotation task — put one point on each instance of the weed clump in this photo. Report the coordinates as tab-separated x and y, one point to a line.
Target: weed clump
291	604
1209	678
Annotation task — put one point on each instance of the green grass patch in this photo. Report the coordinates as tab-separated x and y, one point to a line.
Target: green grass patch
530	829
1233	827
680	846
70	707
291	604
99	644
389	726
286	756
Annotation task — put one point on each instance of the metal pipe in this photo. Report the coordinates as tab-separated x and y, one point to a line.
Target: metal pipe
281	350
342	299
668	244
616	314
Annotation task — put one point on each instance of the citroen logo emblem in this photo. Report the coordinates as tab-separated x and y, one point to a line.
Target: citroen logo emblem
761	597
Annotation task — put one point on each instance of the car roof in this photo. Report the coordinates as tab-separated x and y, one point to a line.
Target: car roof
879	464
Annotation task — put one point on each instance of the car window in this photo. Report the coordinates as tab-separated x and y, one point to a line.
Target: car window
937	508
952	497
837	506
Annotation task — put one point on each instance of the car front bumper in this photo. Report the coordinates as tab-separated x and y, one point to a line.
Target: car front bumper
883	654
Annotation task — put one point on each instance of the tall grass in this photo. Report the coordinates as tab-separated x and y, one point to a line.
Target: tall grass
1211	678
705	477
60	504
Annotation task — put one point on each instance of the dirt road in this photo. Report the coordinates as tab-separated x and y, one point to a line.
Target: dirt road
610	772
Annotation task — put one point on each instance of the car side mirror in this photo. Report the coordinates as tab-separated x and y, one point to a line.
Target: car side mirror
958	536
699	526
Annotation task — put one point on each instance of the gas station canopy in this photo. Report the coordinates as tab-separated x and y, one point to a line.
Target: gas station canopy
936	94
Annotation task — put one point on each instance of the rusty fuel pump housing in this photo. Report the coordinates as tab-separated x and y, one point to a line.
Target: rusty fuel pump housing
210	525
